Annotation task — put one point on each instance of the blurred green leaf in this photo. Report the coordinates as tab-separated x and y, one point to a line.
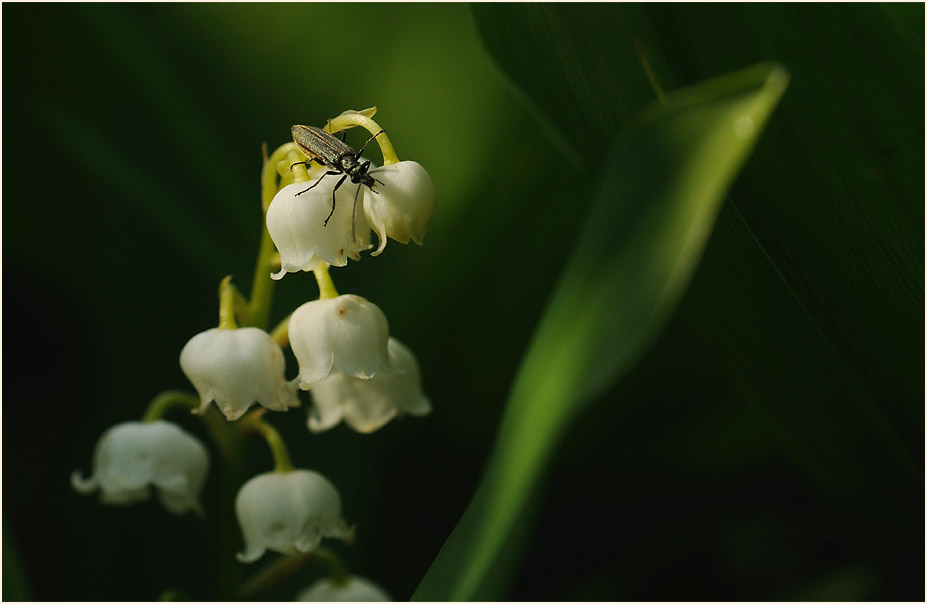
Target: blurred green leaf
657	199
15	580
138	185
812	292
584	69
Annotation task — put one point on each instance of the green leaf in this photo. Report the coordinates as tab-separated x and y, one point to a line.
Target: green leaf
656	202
811	294
15	579
139	185
585	69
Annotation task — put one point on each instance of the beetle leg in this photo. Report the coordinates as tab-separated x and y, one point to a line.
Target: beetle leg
318	181
333	197
354	216
305	163
371	173
328	128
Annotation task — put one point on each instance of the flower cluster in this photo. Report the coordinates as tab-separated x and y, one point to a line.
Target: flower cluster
353	368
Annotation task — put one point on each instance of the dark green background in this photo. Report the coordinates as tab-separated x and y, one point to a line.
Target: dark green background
768	447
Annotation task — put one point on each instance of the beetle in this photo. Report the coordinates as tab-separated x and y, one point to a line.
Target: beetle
327	150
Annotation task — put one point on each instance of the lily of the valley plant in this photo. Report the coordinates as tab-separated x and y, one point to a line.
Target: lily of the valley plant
349	361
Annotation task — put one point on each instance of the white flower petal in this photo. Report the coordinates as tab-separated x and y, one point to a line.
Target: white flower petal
297	225
401	207
236	368
132	457
346	333
357	589
128	496
84	486
288	512
367	405
327	414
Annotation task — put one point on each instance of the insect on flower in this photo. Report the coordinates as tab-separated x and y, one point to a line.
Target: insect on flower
327	150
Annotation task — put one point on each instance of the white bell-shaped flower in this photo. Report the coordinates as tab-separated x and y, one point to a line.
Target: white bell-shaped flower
367	405
132	457
235	368
355	589
346	333
288	512
297	225
402	206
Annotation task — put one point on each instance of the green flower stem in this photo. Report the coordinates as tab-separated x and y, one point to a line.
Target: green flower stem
168	399
223	433
324	279
270	172
242	307
262	288
282	463
298	168
217	425
253	421
272	574
336	568
280	569
227	300
281	333
349	119
228	571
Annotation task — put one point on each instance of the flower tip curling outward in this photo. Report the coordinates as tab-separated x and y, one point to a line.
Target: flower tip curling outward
132	457
401	208
235	368
368	405
356	589
288	512
346	333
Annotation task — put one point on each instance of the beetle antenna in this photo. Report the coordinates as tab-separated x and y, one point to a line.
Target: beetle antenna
358	154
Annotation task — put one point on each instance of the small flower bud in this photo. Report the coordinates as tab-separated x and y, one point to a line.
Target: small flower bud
346	333
402	206
131	457
367	405
235	368
288	512
356	589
